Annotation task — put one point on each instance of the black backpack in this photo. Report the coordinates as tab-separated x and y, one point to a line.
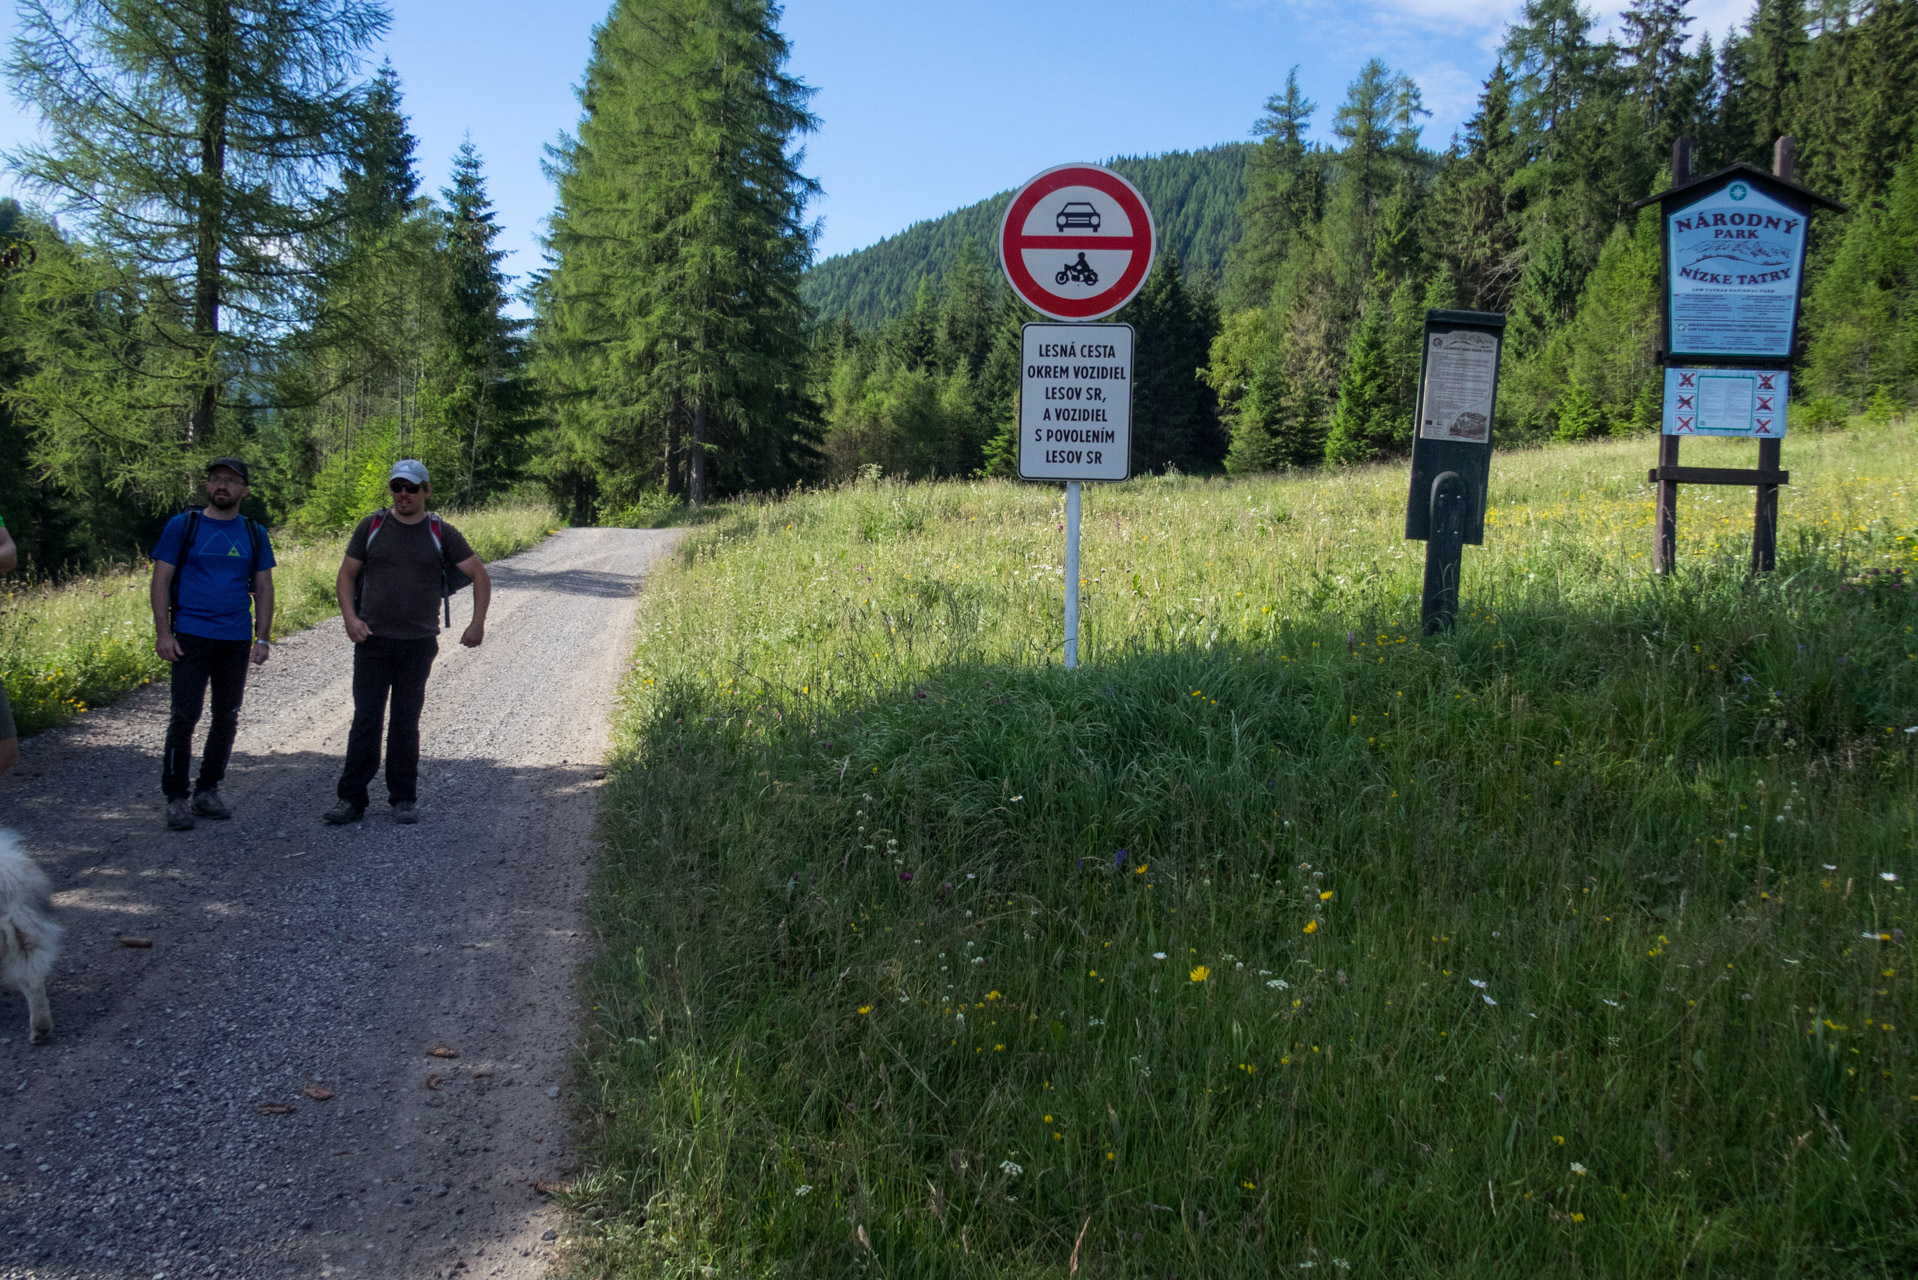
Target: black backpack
452	577
193	517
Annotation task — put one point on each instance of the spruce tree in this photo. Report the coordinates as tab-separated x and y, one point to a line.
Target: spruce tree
1362	426
190	144
483	394
673	309
1282	193
1777	52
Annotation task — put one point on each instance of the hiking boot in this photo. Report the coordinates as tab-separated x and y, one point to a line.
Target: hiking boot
208	805
342	813
179	815
405	813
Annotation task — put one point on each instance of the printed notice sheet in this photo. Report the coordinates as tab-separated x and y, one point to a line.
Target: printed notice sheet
1461	367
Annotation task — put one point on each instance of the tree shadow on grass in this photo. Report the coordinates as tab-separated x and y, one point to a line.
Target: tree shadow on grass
1309	940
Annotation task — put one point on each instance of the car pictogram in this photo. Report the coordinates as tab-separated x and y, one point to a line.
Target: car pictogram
1077	213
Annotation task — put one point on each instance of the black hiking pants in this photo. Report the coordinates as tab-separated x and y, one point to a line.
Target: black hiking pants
221	664
380	668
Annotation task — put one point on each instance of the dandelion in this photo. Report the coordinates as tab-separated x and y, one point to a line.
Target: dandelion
1578	1217
1141	869
1578	1168
1200	973
1559	1138
864	1009
1311	926
992	995
1326	896
1158	955
1010	1169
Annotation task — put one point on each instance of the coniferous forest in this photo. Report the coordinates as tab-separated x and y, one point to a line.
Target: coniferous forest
239	249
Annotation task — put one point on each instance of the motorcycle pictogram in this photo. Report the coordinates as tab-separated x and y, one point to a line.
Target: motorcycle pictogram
1080	270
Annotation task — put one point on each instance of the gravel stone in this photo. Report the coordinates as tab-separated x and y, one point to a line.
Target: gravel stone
166	1128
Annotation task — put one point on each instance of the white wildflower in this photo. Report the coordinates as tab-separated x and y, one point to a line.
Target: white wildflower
1158	955
1487	999
1475	982
1010	1169
803	1189
1887	875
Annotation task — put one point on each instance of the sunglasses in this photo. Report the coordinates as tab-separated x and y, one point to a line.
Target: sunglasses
400	486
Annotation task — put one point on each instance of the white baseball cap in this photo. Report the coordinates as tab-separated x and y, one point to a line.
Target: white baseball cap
409	469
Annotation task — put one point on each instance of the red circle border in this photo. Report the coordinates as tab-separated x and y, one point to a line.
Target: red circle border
1130	281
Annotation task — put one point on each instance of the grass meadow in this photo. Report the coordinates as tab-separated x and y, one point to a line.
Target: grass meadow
1276	937
80	643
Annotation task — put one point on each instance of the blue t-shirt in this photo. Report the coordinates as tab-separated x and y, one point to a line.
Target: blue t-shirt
215	588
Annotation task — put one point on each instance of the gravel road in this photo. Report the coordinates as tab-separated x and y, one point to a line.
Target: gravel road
178	1125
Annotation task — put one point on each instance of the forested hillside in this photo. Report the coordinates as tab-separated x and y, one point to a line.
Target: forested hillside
1194	196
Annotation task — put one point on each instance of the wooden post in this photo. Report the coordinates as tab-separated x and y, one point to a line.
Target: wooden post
1784	164
1665	524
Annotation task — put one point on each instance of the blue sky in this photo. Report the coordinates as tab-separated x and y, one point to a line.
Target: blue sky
926	107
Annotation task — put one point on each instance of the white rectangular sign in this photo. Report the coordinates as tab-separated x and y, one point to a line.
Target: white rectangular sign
1726	402
1461	372
1075	402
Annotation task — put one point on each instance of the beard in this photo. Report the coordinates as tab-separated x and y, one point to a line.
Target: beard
223	502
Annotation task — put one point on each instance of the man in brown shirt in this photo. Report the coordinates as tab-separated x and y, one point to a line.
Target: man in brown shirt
391	586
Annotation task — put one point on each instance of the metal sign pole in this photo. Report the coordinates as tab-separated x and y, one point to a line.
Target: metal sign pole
1072	574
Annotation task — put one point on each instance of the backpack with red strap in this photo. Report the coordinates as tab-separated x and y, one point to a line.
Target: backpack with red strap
452	577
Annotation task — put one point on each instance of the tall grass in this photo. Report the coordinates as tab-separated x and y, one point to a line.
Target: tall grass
68	647
1276	936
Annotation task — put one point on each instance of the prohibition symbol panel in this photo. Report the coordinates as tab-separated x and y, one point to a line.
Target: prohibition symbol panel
1077	242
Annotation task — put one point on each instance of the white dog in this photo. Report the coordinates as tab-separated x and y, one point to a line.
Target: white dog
29	938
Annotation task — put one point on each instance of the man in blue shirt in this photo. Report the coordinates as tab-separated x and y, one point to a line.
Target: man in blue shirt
209	565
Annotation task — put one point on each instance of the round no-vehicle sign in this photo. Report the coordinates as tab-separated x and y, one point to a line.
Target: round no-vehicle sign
1077	242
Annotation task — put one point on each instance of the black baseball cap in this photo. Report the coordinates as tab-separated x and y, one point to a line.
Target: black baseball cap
234	465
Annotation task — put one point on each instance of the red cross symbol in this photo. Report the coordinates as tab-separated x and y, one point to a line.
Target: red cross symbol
1684	424
1685	402
1764	404
1687	379
1764	381
1764	426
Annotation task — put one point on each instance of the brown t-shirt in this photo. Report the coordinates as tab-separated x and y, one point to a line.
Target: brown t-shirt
400	576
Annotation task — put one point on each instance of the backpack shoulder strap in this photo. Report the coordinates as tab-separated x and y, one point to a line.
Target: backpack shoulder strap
379	518
252	550
433	526
190	529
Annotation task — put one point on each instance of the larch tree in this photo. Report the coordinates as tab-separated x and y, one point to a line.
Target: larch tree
189	146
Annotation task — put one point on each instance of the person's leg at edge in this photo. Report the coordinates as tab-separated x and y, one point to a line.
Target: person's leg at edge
412	665
190	675
9	739
227	674
372	678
